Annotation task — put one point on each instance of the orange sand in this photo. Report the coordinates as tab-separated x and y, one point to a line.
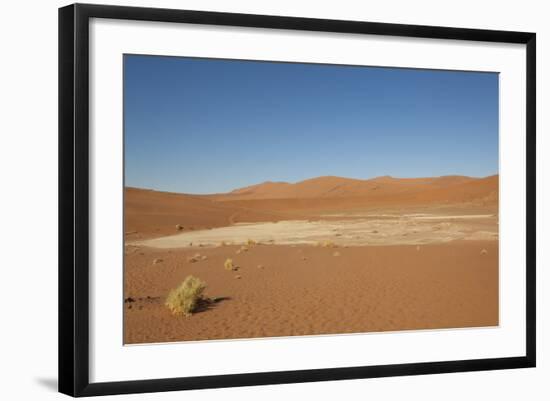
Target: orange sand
364	289
301	289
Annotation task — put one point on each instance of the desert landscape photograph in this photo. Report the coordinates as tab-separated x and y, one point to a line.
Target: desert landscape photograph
271	199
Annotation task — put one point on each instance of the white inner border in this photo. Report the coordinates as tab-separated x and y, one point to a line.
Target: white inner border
111	361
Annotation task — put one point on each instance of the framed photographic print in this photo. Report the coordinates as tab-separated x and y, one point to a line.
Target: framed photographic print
250	199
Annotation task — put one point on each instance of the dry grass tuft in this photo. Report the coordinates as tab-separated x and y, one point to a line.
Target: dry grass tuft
229	265
184	299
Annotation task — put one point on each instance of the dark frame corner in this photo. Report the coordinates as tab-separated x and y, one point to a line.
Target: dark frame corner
74	191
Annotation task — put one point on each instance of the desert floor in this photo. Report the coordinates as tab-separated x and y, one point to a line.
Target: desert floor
282	290
317	265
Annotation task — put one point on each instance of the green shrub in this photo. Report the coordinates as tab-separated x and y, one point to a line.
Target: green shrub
184	299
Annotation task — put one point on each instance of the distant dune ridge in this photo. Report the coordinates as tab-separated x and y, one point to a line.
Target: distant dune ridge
331	186
154	213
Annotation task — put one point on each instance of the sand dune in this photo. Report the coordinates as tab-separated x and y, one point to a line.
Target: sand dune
151	213
324	195
404	254
335	187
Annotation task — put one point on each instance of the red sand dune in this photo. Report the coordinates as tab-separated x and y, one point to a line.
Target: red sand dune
327	194
152	213
282	290
334	187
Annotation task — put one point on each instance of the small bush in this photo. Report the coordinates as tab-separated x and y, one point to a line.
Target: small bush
251	242
228	264
184	299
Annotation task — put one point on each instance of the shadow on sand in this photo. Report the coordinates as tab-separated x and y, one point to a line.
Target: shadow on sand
209	303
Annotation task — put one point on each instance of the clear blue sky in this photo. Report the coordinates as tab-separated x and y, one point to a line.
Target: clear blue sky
206	125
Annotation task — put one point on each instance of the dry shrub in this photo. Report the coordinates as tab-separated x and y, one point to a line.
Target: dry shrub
229	265
251	242
184	299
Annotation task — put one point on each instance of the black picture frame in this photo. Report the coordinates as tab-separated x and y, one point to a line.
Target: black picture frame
74	199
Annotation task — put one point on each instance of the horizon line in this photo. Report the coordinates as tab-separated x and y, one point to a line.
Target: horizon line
313	178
